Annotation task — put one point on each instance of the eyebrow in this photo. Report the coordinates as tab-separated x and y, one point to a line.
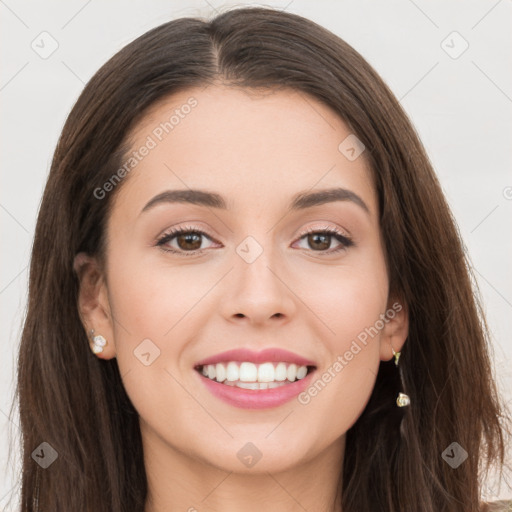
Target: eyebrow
300	201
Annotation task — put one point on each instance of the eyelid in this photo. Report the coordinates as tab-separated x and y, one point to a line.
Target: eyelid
326	227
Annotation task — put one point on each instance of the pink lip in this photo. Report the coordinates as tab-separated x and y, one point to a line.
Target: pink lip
257	398
269	355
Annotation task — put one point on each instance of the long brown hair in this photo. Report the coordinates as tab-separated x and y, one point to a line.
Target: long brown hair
76	402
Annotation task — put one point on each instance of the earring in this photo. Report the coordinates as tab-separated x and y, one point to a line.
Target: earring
98	342
402	399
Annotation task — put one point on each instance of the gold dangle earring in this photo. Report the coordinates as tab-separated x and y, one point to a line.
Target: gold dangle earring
402	400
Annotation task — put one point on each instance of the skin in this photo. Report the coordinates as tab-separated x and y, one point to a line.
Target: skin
257	151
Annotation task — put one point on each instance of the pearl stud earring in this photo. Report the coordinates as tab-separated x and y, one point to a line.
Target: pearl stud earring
98	342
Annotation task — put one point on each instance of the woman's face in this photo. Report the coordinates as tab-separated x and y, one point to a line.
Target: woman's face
255	280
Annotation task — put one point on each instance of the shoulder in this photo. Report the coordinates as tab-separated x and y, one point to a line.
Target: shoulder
497	506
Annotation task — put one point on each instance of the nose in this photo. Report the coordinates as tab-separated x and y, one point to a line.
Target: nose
258	292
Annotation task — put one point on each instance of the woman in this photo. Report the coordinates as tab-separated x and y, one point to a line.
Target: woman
247	290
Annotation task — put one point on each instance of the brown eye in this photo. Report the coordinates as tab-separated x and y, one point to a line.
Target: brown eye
319	241
183	241
189	241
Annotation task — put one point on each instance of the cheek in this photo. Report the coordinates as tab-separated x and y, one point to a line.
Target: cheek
145	307
348	300
150	299
351	311
149	308
349	303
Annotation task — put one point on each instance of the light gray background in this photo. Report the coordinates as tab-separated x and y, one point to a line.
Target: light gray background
460	106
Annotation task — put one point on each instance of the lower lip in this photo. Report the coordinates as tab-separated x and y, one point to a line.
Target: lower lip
256	398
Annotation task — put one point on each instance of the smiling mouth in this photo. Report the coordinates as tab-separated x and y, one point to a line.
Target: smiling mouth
247	375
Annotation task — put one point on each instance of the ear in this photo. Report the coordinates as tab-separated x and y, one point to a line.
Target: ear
396	329
93	303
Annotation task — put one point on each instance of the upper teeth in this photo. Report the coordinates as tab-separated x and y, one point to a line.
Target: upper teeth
250	372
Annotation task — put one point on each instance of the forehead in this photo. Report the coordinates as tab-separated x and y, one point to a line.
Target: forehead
253	145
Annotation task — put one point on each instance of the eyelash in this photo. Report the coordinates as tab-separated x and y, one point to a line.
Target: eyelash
327	230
